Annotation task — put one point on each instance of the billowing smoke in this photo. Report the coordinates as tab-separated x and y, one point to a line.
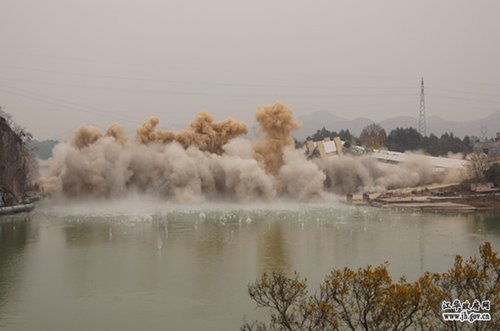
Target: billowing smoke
86	135
203	133
276	126
365	174
118	132
213	161
300	178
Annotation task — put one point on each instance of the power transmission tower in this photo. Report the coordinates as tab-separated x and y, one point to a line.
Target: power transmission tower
422	129
484	131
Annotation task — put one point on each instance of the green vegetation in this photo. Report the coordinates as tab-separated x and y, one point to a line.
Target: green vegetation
368	299
401	140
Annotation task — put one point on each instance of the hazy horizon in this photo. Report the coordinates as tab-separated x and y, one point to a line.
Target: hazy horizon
64	63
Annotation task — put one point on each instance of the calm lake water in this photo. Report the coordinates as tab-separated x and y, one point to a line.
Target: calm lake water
128	267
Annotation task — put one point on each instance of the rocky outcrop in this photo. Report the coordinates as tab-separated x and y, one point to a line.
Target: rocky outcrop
13	164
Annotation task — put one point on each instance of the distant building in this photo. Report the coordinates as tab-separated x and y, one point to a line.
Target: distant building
488	147
325	148
438	163
334	149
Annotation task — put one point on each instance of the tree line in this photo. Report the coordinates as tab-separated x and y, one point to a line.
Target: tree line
400	140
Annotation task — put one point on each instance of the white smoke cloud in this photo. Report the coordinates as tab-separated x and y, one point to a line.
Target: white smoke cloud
210	161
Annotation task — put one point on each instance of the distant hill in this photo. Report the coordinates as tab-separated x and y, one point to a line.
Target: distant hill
315	121
435	124
41	149
400	122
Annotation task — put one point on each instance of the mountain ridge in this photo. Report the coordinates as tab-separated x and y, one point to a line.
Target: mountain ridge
435	124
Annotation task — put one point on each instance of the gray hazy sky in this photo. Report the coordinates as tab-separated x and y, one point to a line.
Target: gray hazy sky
64	62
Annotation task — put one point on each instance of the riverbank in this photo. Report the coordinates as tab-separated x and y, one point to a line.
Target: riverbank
20	208
433	198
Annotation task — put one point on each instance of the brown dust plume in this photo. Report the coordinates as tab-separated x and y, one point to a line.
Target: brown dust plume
203	133
276	125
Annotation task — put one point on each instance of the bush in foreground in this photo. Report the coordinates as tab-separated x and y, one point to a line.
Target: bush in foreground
368	299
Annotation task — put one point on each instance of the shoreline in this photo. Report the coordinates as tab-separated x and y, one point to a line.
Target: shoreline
430	198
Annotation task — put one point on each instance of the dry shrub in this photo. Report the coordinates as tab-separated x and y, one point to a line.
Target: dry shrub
368	299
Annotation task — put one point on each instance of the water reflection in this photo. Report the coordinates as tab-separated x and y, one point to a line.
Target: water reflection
87	232
485	223
190	269
13	239
273	250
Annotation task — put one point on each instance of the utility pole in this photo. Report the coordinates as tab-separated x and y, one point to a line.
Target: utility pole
422	129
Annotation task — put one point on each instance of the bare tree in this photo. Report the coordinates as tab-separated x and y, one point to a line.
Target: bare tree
373	136
478	164
368	299
32	168
19	130
6	116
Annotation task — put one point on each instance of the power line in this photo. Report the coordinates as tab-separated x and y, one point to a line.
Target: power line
210	83
463	92
463	98
234	95
64	103
462	105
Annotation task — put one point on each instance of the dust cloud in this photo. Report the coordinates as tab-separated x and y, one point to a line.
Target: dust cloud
214	161
365	174
203	133
276	126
